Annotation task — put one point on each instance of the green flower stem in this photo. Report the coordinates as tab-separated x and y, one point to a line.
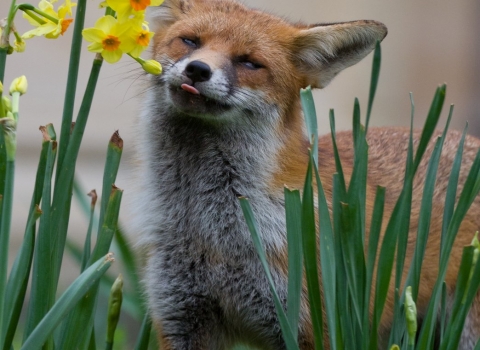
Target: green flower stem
63	186
45	15
4	44
72	78
6	215
5	233
17	36
35	17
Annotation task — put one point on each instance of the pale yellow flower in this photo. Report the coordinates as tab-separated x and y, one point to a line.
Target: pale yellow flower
126	8
53	24
142	38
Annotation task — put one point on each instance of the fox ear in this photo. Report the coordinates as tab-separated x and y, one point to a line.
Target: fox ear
169	12
322	51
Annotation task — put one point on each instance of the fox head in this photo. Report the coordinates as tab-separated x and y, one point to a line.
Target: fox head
223	61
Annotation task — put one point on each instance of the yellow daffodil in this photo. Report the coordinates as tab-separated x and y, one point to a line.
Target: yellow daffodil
126	8
142	38
50	23
110	38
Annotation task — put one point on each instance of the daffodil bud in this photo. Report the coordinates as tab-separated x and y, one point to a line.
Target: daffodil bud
19	85
10	135
152	67
114	306
395	347
1	87
410	315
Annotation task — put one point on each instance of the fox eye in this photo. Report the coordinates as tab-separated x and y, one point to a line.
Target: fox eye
194	43
249	63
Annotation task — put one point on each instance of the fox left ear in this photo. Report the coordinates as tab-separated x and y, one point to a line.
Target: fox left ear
322	51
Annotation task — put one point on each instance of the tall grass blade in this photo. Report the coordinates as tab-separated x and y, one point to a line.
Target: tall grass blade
88	237
327	261
144	334
293	213
469	192
77	326
67	302
376	63
43	289
373	239
338	163
308	107
114	154
20	270
310	244
60	212
18	280
430	123
451	194
287	333
413	278
465	294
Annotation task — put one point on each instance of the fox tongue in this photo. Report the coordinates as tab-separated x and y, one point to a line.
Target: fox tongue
190	89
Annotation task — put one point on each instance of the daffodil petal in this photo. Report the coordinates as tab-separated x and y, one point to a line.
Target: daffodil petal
112	56
95	47
105	23
93	35
156	2
137	51
122	7
40	30
45	5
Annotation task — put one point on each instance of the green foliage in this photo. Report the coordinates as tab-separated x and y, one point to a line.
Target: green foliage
66	321
348	258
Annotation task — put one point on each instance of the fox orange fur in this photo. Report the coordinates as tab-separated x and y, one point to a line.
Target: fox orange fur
224	120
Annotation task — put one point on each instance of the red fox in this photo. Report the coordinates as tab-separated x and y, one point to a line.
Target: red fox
224	120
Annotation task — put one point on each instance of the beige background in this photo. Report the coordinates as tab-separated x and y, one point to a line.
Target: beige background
429	42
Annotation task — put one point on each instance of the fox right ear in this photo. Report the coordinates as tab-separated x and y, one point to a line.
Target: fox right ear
322	51
168	12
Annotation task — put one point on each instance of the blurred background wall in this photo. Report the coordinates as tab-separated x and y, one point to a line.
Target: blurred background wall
429	42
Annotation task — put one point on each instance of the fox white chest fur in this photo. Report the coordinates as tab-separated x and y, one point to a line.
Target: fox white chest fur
223	121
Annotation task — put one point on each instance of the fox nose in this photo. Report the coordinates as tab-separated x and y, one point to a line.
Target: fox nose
198	71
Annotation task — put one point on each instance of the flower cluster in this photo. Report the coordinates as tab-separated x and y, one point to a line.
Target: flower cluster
123	30
50	23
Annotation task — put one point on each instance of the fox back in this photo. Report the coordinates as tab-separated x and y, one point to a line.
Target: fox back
224	120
